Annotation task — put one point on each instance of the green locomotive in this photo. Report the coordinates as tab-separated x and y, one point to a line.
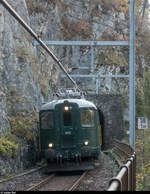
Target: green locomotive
70	134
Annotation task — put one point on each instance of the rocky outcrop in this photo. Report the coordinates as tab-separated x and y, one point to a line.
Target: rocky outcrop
25	82
85	20
4	123
24	79
28	76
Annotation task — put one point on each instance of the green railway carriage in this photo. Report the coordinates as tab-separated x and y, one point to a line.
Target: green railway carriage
69	131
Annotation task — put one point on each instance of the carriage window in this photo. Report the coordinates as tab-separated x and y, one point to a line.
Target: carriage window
67	117
87	118
47	120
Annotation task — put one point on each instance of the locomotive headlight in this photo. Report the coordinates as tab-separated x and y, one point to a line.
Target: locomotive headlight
66	108
50	145
86	143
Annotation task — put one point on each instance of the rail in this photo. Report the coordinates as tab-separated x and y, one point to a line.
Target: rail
40	184
76	184
126	178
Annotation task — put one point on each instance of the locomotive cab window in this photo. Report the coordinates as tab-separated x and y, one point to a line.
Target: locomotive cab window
47	121
87	118
67	116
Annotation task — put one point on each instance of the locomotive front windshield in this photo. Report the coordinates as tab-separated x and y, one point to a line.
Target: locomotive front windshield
67	116
47	120
87	118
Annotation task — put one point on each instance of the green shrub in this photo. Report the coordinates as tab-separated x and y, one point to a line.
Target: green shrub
147	92
140	104
143	97
7	148
22	127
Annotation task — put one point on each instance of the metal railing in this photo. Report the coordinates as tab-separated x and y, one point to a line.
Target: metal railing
126	178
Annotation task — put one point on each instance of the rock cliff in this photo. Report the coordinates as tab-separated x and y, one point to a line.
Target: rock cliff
28	76
25	72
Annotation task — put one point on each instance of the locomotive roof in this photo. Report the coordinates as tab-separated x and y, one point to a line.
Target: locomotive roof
81	103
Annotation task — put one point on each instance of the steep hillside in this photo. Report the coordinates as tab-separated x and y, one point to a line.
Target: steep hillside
25	83
24	80
85	20
28	76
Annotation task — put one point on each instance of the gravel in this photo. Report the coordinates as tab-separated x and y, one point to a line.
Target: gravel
98	179
95	180
24	182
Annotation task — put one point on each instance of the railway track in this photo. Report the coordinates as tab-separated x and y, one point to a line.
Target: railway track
126	177
41	183
66	183
122	150
20	181
22	174
75	185
63	182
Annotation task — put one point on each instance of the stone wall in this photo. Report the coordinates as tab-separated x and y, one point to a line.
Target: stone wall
111	106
